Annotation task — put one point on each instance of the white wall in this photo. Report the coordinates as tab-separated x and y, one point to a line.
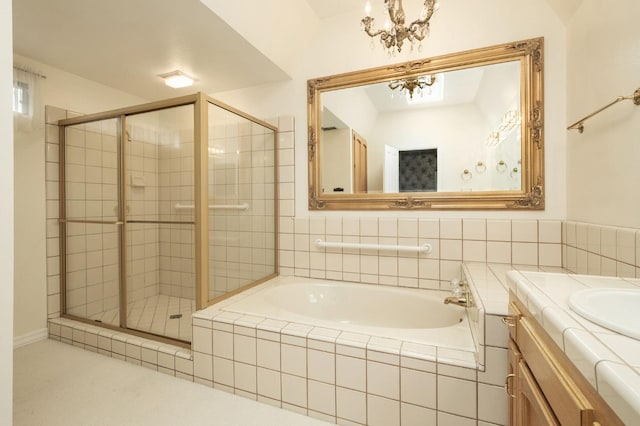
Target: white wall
67	91
6	216
602	163
340	46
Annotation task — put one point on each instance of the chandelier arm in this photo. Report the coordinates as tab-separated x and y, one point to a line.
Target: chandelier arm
415	26
367	25
422	23
382	33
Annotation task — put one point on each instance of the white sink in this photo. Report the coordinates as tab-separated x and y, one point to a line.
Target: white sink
617	309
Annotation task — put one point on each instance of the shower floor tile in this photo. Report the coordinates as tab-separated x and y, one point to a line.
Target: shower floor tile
152	315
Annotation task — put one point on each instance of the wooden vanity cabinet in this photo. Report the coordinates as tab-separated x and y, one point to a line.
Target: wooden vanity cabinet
544	387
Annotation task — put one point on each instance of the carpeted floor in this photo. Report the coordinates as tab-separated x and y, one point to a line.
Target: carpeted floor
58	384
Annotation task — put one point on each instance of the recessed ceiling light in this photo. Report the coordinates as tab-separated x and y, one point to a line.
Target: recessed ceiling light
177	79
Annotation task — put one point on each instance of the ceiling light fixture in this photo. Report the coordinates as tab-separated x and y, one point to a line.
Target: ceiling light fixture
411	84
509	121
177	79
394	34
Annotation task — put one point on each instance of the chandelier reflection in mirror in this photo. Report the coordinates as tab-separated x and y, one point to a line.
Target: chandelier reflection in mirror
395	33
413	84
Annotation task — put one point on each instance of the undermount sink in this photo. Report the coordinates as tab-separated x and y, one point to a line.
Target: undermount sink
617	309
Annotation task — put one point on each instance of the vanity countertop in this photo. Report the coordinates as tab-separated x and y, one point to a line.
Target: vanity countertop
608	360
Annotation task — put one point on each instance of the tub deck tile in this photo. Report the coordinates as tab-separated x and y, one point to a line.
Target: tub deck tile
384	344
418	351
299	330
324	334
320	345
353	339
272	325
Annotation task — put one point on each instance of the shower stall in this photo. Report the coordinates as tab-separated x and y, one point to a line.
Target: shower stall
165	208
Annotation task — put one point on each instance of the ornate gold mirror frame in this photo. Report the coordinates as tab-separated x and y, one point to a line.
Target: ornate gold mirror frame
531	194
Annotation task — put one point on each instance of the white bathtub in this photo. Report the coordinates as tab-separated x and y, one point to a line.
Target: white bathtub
413	315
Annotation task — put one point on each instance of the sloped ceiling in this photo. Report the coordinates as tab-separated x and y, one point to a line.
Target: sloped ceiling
565	9
126	44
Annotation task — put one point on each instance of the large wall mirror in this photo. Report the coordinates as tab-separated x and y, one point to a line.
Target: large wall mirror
459	131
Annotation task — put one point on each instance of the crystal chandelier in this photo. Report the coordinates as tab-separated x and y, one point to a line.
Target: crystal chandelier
411	84
393	36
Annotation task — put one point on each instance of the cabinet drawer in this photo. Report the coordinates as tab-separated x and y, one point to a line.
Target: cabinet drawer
565	398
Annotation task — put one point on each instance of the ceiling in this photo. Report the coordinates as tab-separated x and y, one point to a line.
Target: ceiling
329	8
126	44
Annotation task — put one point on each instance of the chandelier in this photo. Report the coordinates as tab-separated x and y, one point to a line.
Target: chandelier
411	84
393	36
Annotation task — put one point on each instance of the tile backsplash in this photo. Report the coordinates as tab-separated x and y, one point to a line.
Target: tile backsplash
601	250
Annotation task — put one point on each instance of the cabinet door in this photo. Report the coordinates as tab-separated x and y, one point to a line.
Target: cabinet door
511	382
532	409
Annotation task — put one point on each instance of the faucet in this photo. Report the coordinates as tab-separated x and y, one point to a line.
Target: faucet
461	294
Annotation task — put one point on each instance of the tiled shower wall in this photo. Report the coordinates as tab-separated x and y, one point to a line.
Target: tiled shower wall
143	242
176	188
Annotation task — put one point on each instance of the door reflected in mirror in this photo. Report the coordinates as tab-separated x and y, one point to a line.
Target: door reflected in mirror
457	131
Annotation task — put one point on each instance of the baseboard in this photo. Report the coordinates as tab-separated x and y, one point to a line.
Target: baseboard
29	338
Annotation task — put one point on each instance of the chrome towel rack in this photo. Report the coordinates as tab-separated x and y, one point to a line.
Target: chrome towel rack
579	125
423	248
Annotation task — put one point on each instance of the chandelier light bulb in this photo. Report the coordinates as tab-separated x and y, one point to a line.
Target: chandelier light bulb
367	8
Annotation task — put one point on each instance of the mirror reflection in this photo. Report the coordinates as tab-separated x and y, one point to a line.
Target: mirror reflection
463	130
453	131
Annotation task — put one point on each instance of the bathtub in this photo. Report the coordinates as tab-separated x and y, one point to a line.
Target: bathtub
410	315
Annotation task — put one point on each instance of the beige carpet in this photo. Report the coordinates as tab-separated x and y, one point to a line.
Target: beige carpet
58	384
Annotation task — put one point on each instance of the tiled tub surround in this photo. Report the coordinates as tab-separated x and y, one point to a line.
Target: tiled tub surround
522	242
608	360
490	294
350	378
342	377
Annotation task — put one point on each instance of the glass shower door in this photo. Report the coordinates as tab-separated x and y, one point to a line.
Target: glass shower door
159	221
91	230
